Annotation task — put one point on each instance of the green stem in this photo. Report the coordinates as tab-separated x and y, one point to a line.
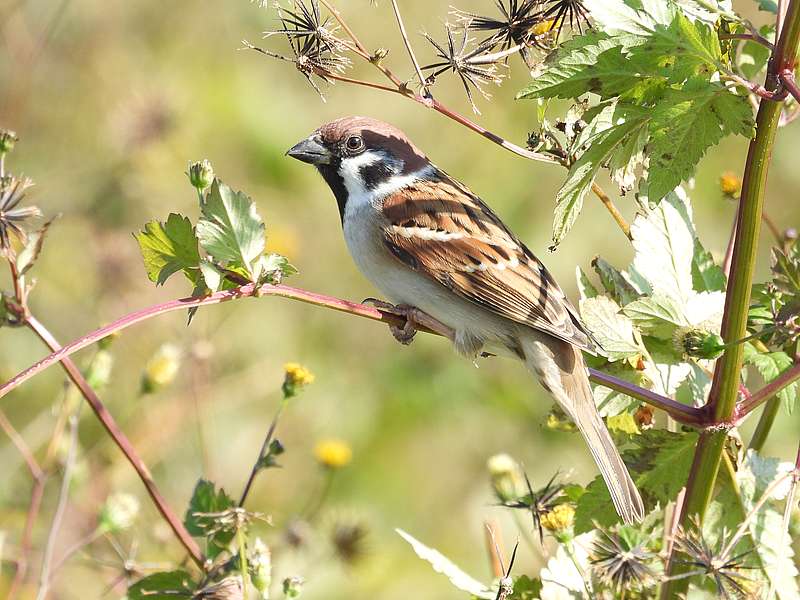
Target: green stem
765	424
722	403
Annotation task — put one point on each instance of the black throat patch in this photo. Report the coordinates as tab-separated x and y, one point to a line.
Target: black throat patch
330	173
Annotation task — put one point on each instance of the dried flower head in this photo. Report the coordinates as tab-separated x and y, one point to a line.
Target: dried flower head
563	11
229	588
13	216
316	51
472	65
347	538
518	24
621	560
333	454
715	562
540	502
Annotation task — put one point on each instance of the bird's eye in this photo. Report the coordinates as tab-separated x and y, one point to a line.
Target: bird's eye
354	143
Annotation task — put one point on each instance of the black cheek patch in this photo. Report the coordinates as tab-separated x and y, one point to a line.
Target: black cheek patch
375	174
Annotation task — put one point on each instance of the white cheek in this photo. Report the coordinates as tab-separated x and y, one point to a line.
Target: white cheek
350	170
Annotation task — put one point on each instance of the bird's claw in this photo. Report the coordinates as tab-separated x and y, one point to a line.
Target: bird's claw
402	333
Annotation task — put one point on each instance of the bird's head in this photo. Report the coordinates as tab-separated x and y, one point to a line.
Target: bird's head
359	155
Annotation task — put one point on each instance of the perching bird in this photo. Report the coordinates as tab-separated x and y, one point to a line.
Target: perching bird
426	241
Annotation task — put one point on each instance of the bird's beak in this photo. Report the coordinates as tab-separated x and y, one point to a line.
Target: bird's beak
310	151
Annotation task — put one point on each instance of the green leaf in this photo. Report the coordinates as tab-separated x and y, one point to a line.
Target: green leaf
162	586
707	276
231	230
658	315
212	276
613	330
615	282
623	423
684	124
526	588
664	243
770	365
662	461
768	6
442	564
168	248
601	147
199	523
595	506
585	286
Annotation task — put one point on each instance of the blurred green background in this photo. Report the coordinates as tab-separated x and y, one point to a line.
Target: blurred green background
110	101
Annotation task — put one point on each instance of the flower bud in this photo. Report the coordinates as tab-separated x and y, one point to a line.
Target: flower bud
99	372
506	477
118	513
295	378
730	184
201	174
698	343
7	141
261	568
161	369
293	586
333	454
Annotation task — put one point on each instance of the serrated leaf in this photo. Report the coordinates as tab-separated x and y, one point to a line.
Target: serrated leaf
663	461
623	423
595	507
442	564
585	286
207	499
212	276
526	588
707	276
231	230
601	147
658	315
664	243
770	365
614	282
162	586
168	248
684	124
610	402
613	330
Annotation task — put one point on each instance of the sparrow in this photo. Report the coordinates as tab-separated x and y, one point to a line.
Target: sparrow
426	241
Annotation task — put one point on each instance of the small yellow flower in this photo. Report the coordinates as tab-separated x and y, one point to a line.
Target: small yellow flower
296	377
542	27
560	519
730	184
162	368
333	454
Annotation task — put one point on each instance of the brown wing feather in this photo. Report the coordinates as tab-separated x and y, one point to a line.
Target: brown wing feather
441	229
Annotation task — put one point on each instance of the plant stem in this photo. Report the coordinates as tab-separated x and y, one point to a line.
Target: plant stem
764	425
121	440
785	379
680	412
725	386
410	50
264	448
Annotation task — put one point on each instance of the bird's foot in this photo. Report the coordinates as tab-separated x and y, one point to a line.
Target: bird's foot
402	333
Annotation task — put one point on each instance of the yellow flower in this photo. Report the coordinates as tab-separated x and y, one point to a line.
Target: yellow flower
560	519
162	368
296	377
730	184
333	454
542	27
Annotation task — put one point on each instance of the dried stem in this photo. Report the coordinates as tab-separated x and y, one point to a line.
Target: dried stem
61	506
407	42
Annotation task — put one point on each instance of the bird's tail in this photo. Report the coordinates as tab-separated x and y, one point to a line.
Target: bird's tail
560	368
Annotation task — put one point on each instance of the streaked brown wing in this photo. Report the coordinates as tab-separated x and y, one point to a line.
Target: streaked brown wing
443	230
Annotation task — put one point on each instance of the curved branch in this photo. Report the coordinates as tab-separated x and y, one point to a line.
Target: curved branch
682	413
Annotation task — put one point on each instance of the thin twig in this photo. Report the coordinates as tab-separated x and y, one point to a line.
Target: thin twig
681	412
789	84
61	506
785	379
21	446
121	441
752	37
613	210
264	448
407	42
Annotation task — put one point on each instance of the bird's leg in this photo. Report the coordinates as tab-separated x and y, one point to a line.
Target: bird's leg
405	333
